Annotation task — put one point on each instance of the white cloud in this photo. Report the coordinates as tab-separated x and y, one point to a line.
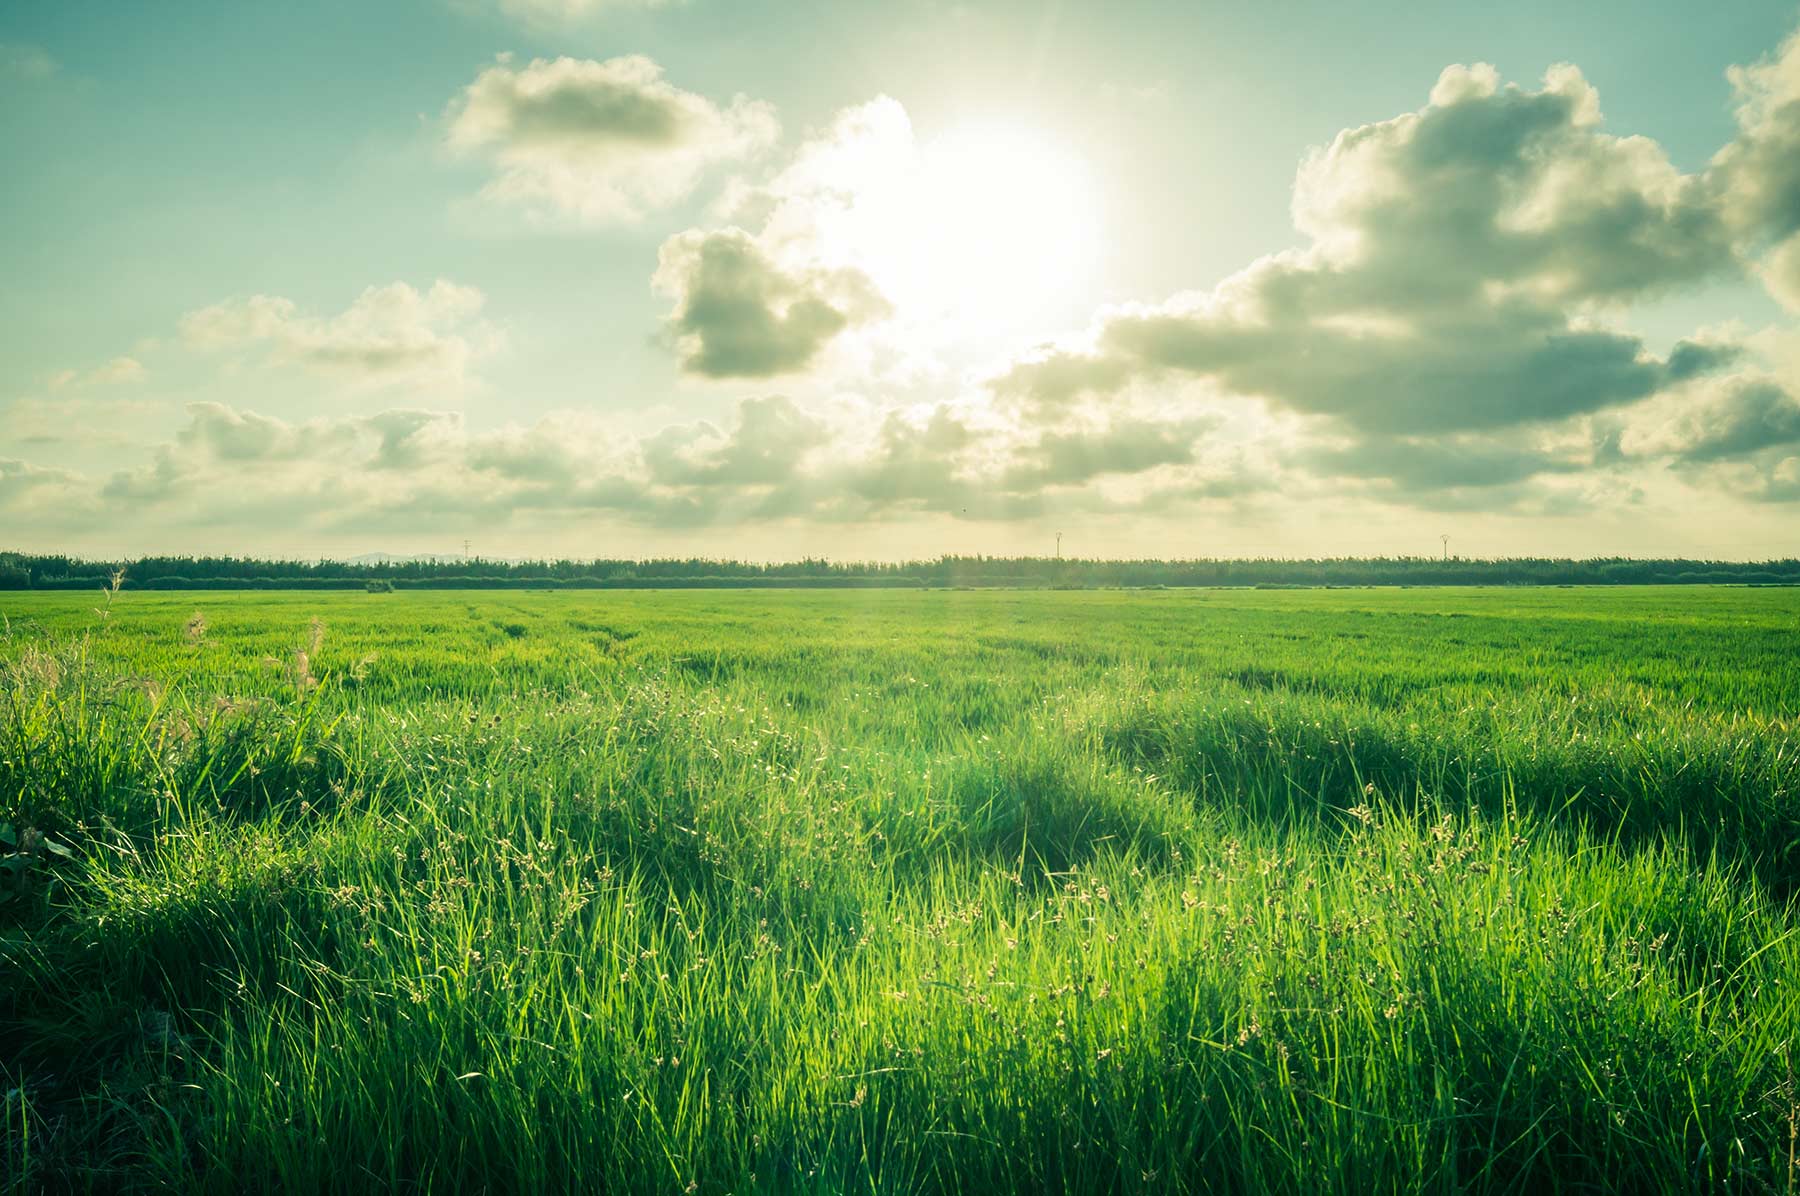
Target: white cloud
971	232
119	371
900	255
599	142
1759	171
1448	335
1453	297
393	334
30	494
774	460
83	421
769	302
738	314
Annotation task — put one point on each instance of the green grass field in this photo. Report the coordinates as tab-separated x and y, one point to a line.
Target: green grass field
1349	890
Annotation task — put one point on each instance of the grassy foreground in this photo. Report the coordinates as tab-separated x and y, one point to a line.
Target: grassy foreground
901	892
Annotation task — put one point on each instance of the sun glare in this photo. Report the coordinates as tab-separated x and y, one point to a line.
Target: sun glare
998	223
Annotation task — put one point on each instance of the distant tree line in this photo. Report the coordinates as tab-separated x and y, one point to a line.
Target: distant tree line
26	571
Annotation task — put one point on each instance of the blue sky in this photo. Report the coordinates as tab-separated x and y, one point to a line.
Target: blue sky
337	277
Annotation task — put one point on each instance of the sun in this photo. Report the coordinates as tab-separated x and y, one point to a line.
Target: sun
997	223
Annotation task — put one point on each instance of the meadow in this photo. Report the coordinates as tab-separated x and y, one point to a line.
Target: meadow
901	891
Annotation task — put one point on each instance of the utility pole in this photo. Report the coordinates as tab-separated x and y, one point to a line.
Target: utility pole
1446	539
1059	546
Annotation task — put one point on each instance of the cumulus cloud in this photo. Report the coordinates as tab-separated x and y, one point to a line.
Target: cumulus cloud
118	371
1770	477
1449	336
37	498
1129	446
1460	470
790	270
772	460
391	334
1746	416
738	314
1759	171
22	480
599	142
1461	257
218	442
80	420
772	438
1747	419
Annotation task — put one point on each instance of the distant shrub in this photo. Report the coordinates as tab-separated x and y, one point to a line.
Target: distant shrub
61	572
379	585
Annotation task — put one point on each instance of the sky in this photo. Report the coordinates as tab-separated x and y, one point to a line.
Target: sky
884	280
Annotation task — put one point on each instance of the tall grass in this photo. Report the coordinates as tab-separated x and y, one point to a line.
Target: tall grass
901	892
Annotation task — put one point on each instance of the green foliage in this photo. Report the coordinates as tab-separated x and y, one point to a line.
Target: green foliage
20	571
1178	890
